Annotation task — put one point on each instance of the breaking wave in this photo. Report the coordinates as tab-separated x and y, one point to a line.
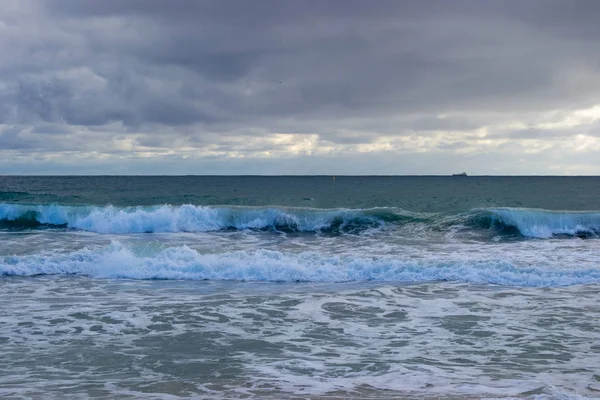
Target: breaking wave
191	218
545	223
184	263
533	223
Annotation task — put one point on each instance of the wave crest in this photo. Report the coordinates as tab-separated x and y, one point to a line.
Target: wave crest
537	223
190	218
533	223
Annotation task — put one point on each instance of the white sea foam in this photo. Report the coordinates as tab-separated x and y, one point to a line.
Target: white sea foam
229	339
119	261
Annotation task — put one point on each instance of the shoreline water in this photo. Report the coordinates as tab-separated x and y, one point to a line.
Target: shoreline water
297	340
131	287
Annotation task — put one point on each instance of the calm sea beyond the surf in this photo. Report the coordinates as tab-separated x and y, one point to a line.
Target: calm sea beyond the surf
299	287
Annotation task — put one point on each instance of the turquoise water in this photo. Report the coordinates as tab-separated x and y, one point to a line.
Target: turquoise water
300	287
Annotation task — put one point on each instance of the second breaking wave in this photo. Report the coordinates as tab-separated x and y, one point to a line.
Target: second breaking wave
117	261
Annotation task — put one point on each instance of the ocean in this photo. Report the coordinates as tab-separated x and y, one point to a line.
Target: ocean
294	287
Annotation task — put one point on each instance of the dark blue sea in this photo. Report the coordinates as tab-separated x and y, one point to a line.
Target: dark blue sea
303	287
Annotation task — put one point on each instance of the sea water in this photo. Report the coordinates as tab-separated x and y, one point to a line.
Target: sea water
300	287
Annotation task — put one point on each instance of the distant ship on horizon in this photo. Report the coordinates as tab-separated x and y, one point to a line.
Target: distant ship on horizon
461	174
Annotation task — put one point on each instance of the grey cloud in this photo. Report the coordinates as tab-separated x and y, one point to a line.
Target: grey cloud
536	133
201	73
11	139
41	100
53	129
594	129
341	137
153	141
346	57
452	145
41	138
444	124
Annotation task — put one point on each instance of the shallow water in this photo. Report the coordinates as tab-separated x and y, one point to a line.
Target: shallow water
104	337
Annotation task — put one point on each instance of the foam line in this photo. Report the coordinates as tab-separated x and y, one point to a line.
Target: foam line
118	261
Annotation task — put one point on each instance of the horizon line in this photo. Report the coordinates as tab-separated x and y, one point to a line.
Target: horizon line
287	175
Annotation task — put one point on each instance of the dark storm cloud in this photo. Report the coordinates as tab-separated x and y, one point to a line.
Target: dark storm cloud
316	58
11	139
201	73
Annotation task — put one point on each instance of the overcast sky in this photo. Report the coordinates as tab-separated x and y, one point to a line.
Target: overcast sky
300	87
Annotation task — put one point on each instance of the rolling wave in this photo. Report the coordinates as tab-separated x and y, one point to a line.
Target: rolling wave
533	223
191	218
538	223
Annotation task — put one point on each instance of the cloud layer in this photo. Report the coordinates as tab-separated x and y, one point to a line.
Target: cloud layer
312	87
